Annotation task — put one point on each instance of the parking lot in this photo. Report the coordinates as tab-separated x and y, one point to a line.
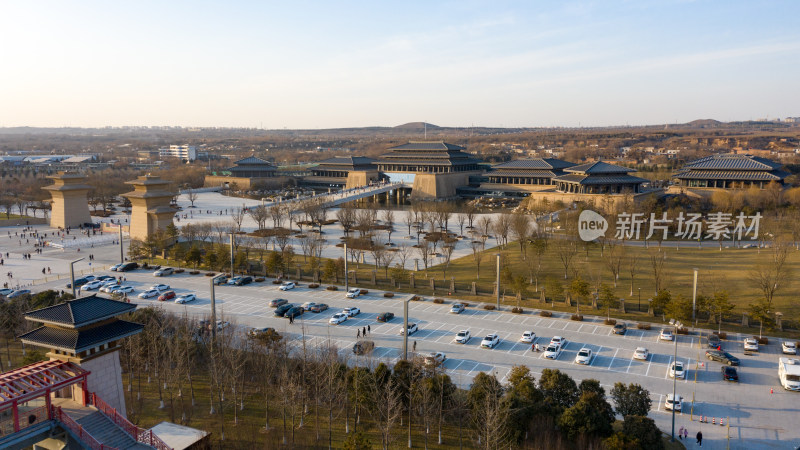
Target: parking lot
758	418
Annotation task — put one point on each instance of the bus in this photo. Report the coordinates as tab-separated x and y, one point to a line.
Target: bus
789	373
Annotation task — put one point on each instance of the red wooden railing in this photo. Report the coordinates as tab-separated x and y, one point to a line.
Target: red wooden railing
78	430
139	434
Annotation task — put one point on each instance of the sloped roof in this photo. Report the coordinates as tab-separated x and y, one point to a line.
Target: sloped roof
80	340
250	160
80	312
604	179
598	167
535	163
347	161
730	161
427	145
522	173
747	175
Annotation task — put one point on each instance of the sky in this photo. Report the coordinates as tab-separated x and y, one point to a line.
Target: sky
306	65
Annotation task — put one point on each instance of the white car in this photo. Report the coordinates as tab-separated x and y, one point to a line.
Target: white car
150	293
462	337
337	318
352	312
669	404
160	287
123	290
666	335
676	370
308	305
287	286
164	271
641	353
789	348
92	285
490	341
553	351
584	356
186	298
353	293
435	358
750	345
559	340
412	328
528	337
457	308
115	267
110	288
109	281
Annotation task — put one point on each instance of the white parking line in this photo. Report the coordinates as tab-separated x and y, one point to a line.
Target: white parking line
612	359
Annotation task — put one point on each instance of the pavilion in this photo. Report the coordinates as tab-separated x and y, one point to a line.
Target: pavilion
342	172
730	171
598	178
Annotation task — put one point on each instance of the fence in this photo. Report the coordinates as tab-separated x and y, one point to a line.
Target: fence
139	434
78	430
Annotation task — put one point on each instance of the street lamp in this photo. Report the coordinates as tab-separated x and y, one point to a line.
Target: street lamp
640	300
72	275
677	324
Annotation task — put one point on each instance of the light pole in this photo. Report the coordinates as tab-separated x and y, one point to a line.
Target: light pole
346	285
677	324
640	299
72	275
121	249
694	297
405	327
232	273
497	296
213	311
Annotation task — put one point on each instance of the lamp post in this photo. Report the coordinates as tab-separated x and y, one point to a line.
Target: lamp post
694	298
497	296
677	324
640	300
121	248
72	275
346	285
232	273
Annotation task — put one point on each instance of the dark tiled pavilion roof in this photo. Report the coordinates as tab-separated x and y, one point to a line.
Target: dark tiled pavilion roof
603	179
252	160
428	153
534	163
732	167
80	312
598	168
346	162
79	340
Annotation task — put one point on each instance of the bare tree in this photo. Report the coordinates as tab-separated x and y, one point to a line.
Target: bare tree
278	214
424	251
403	253
613	259
204	231
346	215
388	221
521	230
191	195
502	226
566	250
477	256
470	212
657	259
238	217
774	273
260	214
408	219
461	219
633	267
485	224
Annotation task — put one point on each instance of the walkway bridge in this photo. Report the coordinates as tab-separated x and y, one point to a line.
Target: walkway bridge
340	197
47	405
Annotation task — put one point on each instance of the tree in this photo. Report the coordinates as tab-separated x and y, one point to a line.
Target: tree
632	399
559	389
591	415
521	399
581	289
489	412
633	267
388	221
680	308
591	385
657	259
521	230
477	256
606	299
718	306
773	274
613	259
643	429
660	301
238	217
553	288
260	215
191	195
194	256
566	250
461	219
357	441
760	311
424	251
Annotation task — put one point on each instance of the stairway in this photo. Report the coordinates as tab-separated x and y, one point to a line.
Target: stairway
108	433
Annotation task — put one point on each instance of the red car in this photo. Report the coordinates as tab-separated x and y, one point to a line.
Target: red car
169	295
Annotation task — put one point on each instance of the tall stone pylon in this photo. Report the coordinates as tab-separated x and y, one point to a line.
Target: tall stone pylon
150	205
70	206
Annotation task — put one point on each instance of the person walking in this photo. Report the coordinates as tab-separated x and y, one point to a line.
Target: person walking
686	433
369	330
415	346
680	433
364	332
358	333
700	438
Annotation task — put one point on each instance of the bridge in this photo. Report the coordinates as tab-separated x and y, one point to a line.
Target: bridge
340	197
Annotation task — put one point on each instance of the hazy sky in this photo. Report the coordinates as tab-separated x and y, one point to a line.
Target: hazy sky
328	64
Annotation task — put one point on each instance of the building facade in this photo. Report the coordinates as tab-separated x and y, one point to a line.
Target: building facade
150	206
184	152
342	172
730	171
599	178
69	205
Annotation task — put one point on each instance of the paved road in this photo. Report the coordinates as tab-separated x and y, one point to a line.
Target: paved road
759	419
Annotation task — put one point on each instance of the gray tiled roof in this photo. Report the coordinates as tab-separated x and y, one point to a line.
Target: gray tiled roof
347	161
598	167
535	163
522	173
747	175
589	179
80	340
80	312
733	162
426	145
252	160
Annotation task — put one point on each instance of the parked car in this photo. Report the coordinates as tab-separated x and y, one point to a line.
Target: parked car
676	403
412	328
281	310
353	293
666	335
186	298
490	341
150	293
169	295
256	332
363	347
220	279
722	356
222	324
163	272
620	329
560	340
242	281
528	337
109	281
319	307
109	288
553	351
6	291
114	267
676	370
81	281
92	285
337	318
729	373
385	317
308	305
457	308
584	356
434	359
18	293
287	286
463	337
160	287
352	312
294	312
789	347
128	267
750	345
712	341
278	302
123	290
641	353
105	277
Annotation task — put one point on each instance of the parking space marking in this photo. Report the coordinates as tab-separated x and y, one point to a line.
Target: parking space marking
612	359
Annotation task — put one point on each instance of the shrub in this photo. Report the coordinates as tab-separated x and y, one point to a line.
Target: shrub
643	326
438	300
683	330
179	270
364	292
276	281
466	305
545	314
388	294
259	279
313	286
416	298
332	288
610	322
489	307
194	272
722	335
762	340
209	274
516	310
577	317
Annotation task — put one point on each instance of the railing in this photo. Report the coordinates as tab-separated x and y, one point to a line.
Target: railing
78	430
139	434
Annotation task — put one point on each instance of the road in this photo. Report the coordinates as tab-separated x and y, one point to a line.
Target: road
758	418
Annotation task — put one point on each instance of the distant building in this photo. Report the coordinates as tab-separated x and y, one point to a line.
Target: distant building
531	174
252	167
342	172
599	178
248	173
730	171
184	152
